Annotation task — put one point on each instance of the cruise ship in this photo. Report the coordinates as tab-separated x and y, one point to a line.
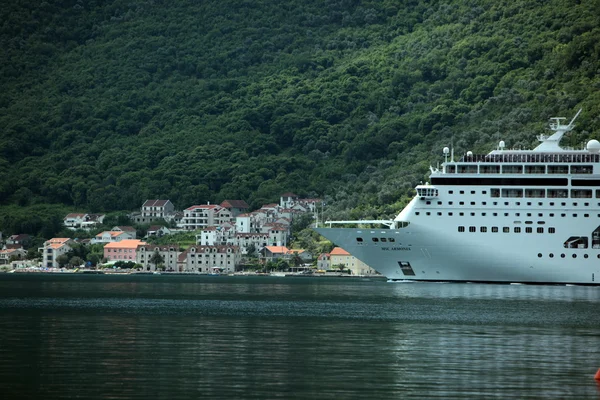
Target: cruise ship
511	216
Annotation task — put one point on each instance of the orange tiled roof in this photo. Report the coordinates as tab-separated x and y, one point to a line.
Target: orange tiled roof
338	251
125	244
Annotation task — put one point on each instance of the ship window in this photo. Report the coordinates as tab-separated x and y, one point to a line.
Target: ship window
451	169
375	239
472	203
586	204
581	193
449	203
506	229
506	214
558	169
540	215
496	193
541	222
483	214
585	256
483	203
551	255
494	229
450	191
461	214
383	239
512	192
484	192
483	229
535	169
586	215
518	203
528	203
427	213
450	214
551	230
495	203
540	230
472	229
574	215
467	169
539	255
574	204
562	255
512	169
529	214
359	239
574	255
517	214
557	193
517	229
540	204
563	215
417	213
472	192
506	203
462	192
392	240
462	203
495	214
489	169
528	230
439	213
461	228
597	193
581	169
439	203
551	203
428	202
551	214
472	214
563	204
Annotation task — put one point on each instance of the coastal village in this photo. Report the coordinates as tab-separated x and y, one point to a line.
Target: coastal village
228	237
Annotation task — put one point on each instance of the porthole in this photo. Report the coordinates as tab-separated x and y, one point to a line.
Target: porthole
585	256
551	255
375	239
574	255
562	256
539	255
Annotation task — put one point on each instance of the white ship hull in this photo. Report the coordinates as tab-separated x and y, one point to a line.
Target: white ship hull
522	216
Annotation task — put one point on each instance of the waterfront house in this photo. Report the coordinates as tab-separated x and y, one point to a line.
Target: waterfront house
339	256
52	249
170	254
21	239
155	209
211	259
82	221
124	250
7	255
272	253
113	236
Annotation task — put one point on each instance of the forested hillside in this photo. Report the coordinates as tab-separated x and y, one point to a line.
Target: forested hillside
104	104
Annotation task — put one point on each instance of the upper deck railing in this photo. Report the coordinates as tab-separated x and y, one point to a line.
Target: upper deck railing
531	158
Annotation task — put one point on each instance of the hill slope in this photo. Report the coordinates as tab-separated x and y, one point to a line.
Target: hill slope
106	104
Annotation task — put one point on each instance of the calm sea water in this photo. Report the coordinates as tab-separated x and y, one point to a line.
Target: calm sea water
185	337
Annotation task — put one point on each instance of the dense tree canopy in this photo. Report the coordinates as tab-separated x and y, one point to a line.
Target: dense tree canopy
105	104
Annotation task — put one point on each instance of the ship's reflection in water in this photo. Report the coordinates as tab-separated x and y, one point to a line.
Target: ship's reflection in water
188	337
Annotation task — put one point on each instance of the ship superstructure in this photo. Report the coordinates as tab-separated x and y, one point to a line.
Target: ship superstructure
528	216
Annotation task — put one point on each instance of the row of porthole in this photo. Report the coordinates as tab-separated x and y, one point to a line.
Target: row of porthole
551	255
391	240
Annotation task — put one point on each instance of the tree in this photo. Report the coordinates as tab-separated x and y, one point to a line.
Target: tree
251	250
157	260
62	260
76	261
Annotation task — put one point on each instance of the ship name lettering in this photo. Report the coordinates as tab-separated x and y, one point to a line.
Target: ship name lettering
396	248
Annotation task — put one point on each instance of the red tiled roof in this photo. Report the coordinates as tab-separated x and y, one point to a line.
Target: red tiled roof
338	251
155	203
234	204
202	206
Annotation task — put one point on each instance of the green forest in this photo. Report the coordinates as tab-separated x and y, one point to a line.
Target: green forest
104	104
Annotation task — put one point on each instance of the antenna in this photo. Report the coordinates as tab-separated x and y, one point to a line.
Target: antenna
570	126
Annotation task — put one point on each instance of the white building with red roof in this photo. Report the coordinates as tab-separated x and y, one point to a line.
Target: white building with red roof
113	236
169	252
201	216
54	248
155	209
235	207
339	256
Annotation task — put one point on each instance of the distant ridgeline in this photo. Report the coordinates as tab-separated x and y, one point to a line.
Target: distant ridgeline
104	105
